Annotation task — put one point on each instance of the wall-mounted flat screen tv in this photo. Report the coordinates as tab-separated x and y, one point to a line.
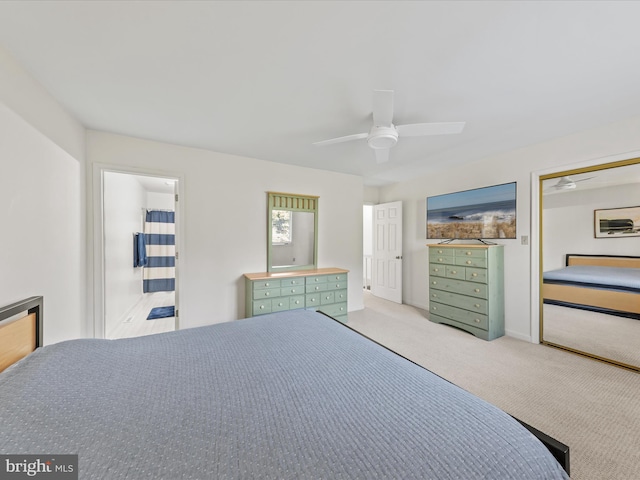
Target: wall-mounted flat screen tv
481	213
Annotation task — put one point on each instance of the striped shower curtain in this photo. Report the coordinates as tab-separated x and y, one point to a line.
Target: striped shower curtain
159	232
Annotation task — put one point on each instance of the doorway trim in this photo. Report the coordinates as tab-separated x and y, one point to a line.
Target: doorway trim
96	323
536	228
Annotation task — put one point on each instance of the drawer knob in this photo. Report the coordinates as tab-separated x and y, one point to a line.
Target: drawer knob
280	304
468	262
317	288
477	305
261	307
293	290
477	290
474	274
434	283
477	320
266	294
453	272
468	253
434	295
341	308
267	284
434	308
327	297
297	302
312	300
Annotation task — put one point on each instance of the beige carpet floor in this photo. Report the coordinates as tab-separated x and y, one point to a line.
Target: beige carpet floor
591	406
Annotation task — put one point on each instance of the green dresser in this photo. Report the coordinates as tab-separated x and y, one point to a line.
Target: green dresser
323	289
466	288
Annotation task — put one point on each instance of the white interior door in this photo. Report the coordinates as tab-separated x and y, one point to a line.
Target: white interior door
387	251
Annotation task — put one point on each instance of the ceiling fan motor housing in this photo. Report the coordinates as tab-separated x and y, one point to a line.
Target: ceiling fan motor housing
382	137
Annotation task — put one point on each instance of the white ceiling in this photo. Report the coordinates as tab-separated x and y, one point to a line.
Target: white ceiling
267	79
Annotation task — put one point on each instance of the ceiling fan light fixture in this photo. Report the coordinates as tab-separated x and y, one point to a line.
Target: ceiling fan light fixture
382	137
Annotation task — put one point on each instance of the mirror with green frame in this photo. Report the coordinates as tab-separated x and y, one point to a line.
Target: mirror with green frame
292	236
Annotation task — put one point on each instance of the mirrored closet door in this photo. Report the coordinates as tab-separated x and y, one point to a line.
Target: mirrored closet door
590	254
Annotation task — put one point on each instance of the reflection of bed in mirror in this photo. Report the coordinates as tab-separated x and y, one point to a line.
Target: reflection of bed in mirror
602	283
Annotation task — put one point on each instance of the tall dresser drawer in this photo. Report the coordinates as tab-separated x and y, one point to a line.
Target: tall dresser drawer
261	307
259	284
460	315
472	261
437	270
470	252
463	301
464	288
476	275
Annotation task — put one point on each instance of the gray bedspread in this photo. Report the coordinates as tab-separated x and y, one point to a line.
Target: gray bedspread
292	395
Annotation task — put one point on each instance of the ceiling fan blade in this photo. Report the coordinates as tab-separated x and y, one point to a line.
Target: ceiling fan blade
382	155
348	138
382	108
583	179
420	129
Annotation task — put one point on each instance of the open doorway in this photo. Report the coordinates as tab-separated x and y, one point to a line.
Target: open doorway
139	254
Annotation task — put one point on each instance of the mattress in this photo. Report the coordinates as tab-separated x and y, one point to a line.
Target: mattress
611	278
292	395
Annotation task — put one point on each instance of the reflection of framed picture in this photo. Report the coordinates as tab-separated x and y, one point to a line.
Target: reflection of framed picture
617	222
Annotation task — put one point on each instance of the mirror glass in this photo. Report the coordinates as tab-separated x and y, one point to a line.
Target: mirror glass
590	224
292	236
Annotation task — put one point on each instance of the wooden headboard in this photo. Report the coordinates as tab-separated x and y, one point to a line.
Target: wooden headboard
20	334
603	260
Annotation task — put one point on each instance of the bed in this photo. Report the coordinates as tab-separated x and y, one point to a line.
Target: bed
602	283
293	394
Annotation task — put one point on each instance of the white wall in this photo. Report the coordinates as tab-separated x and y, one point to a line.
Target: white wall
124	201
42	241
517	165
224	202
42	208
568	223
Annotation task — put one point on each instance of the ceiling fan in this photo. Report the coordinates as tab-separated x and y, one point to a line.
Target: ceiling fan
384	134
567	183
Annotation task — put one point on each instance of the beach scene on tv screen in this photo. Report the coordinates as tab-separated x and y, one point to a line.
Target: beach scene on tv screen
488	212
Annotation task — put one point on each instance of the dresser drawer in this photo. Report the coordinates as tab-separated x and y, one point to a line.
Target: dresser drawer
313	300
261	307
458	314
280	304
288	282
459	286
259	284
340	296
317	287
471	252
316	279
465	302
327	297
444	259
259	293
292	290
296	302
472	261
436	269
476	275
338	278
454	272
335	310
339	285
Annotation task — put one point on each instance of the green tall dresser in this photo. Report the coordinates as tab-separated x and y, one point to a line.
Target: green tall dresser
322	289
466	288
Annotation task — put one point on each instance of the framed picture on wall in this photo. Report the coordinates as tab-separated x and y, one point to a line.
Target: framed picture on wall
617	222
